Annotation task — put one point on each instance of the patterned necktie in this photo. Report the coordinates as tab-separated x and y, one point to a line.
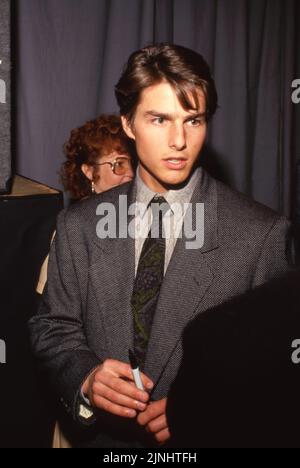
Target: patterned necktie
149	277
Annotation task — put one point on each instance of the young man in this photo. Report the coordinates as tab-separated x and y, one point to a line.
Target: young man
108	295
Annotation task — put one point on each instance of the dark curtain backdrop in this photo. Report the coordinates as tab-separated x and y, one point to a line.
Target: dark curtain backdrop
70	54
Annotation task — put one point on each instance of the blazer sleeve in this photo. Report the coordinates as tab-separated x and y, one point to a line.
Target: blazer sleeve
57	331
276	257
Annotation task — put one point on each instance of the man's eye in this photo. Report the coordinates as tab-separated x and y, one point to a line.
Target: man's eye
158	120
195	122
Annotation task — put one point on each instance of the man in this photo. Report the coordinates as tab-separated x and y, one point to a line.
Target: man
108	295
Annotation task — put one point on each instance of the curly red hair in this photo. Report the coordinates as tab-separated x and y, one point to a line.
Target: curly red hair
86	145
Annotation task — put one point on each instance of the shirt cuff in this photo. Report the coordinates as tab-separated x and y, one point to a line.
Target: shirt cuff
85	399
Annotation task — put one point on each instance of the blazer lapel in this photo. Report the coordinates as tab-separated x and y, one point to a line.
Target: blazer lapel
112	276
186	282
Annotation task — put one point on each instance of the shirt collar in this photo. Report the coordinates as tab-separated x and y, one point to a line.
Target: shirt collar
145	194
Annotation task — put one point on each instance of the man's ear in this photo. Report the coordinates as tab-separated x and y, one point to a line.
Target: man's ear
127	127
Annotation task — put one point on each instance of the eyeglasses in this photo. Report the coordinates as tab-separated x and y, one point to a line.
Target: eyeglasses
119	166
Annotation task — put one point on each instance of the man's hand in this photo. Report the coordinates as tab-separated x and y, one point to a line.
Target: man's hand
110	387
155	420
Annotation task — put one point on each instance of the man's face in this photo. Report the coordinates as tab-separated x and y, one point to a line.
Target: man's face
168	138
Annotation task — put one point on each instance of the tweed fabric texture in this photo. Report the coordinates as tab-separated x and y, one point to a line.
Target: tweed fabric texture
86	316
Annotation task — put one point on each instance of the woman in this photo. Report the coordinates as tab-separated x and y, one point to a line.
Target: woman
98	159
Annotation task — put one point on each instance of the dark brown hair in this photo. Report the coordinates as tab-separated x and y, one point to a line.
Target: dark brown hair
86	145
183	68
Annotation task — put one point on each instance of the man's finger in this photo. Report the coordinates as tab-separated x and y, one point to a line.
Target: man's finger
119	399
163	436
110	407
158	424
147	382
124	388
116	368
154	410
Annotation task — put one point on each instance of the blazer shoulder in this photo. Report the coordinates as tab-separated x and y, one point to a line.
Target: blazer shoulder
85	210
238	207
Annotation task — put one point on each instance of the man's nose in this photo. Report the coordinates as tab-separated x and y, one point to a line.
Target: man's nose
177	137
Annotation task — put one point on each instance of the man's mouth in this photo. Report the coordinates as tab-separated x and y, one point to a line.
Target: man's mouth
175	163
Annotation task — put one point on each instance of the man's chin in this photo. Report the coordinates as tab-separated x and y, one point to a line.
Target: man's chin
176	177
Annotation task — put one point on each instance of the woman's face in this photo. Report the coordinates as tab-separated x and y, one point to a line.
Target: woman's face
106	178
110	171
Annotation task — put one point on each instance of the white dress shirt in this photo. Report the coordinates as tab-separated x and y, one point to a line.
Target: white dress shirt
178	201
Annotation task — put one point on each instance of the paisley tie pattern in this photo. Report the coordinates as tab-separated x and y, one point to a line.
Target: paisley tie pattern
148	280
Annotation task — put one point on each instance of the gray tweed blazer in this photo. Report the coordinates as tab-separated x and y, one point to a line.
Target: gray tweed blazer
85	315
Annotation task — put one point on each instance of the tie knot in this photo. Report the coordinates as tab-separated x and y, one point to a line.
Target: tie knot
158	199
159	205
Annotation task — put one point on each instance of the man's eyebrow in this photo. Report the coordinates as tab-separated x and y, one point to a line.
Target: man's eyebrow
196	115
168	116
155	113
